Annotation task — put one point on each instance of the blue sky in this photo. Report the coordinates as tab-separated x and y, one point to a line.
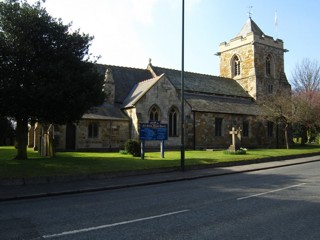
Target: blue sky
129	32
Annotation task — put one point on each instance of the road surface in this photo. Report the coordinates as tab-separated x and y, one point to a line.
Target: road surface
281	203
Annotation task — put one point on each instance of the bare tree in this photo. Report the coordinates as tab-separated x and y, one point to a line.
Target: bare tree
307	113
306	76
306	97
278	107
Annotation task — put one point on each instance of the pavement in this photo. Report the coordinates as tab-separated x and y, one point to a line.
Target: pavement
21	189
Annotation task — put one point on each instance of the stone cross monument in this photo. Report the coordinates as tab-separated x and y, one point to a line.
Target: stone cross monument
236	138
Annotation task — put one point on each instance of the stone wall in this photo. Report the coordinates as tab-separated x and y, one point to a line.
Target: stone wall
205	131
164	96
253	51
243	48
112	135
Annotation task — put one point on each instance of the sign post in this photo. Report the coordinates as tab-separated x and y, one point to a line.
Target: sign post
162	149
142	149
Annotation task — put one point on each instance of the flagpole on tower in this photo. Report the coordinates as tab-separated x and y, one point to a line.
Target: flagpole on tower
276	23
249	11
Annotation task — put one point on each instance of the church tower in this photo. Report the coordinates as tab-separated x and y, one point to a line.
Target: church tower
255	61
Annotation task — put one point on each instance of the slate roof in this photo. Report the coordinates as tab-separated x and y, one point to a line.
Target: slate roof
205	93
139	90
250	26
202	83
125	79
105	112
223	104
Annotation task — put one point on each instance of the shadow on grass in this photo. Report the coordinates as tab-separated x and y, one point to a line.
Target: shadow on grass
74	163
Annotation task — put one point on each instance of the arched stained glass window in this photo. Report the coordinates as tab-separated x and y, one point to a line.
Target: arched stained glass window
173	122
154	114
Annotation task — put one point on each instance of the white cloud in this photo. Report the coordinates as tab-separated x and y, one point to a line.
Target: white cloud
113	23
117	25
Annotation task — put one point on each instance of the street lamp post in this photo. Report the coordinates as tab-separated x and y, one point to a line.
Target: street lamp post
182	93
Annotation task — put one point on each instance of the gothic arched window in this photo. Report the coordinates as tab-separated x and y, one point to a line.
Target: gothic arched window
154	114
173	122
236	65
268	65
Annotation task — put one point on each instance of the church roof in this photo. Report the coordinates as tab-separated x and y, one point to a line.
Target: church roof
250	26
223	104
202	83
203	92
139	90
125	79
105	112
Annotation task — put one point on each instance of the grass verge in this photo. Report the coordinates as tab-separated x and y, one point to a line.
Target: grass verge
75	163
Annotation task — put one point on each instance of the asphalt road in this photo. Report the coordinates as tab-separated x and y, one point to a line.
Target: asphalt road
281	203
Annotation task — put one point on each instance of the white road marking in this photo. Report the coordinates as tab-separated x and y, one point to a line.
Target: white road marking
276	190
111	225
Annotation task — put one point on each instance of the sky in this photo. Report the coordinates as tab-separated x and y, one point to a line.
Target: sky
130	32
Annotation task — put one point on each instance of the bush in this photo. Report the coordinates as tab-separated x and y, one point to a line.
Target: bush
240	151
133	147
123	152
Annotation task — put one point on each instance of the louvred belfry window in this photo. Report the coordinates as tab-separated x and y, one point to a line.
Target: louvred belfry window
236	66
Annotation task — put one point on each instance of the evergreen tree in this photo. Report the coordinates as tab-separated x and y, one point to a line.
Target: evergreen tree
46	74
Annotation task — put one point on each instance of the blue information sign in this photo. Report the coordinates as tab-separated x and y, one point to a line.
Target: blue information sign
153	131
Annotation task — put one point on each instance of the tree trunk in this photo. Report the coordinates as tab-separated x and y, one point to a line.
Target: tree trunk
22	138
304	136
286	135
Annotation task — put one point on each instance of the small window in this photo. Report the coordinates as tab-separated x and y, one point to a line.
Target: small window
218	127
93	130
154	114
268	65
245	129
236	66
270	129
173	123
270	88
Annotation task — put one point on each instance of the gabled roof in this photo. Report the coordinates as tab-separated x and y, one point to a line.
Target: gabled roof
203	92
250	26
202	83
124	79
139	90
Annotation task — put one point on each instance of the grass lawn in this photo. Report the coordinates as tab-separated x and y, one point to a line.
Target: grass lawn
74	163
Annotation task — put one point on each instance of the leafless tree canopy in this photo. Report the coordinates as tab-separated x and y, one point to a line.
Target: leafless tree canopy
306	76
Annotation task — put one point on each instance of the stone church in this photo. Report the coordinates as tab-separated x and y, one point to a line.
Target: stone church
251	66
